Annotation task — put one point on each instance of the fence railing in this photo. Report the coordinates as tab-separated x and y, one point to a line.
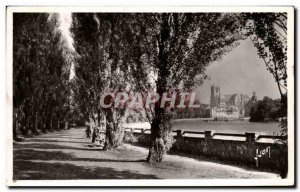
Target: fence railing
250	149
211	134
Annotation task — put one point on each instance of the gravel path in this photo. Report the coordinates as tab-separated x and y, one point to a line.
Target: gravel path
68	155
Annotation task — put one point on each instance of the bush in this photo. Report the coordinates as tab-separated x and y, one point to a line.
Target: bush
129	137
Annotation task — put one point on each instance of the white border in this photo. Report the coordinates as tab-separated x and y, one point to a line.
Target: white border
163	182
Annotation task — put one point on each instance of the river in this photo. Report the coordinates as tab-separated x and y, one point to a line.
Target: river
268	128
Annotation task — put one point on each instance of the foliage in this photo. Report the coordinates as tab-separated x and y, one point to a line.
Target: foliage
41	73
267	109
172	50
268	32
99	69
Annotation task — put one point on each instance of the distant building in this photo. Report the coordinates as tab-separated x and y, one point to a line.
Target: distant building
227	106
225	113
230	106
215	96
202	112
251	103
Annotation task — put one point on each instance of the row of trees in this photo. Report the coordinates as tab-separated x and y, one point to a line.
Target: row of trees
41	67
126	51
148	51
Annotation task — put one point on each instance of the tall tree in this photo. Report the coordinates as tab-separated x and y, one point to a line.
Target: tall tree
99	68
268	33
176	48
40	72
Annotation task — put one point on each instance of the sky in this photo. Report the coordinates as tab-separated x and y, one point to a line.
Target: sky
239	71
65	20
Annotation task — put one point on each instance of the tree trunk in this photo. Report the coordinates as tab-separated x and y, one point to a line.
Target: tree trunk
98	118
42	122
110	142
66	124
43	125
35	126
47	123
278	82
23	128
15	128
113	135
58	125
161	140
161	124
94	135
29	126
51	123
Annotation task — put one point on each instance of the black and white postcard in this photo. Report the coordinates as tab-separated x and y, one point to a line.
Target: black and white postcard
150	96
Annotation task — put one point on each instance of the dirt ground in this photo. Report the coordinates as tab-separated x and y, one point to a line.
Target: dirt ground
68	154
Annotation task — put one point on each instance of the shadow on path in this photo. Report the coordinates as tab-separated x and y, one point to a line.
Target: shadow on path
31	154
30	161
60	141
53	146
42	171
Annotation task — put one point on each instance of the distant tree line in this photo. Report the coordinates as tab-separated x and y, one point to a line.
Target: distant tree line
267	109
202	112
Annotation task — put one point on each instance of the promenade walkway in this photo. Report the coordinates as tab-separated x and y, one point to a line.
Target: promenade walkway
67	155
